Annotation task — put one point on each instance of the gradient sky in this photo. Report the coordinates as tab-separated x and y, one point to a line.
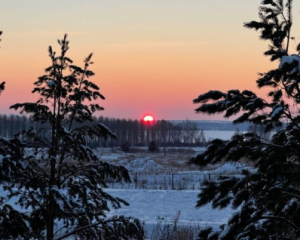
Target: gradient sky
151	56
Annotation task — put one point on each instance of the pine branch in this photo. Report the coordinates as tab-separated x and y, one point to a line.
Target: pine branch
289	22
281	219
79	230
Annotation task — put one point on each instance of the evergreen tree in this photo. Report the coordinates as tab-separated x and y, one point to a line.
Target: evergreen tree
268	200
60	186
11	152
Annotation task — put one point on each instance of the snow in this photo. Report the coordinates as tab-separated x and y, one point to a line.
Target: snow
289	205
154	206
153	201
277	109
66	130
151	206
224	135
231	168
51	83
224	233
289	60
141	165
249	105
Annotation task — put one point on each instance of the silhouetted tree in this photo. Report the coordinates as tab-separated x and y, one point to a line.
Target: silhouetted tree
11	153
200	138
268	199
189	131
63	184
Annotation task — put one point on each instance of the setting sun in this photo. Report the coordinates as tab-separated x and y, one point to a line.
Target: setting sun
148	118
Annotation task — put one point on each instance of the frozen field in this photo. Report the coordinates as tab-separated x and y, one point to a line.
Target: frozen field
164	188
159	171
224	135
153	206
150	193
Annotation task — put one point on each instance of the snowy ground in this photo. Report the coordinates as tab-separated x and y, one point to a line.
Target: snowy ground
163	187
153	206
151	198
167	171
162	206
224	135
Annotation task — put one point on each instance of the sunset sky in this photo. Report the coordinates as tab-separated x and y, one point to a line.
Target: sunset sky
151	56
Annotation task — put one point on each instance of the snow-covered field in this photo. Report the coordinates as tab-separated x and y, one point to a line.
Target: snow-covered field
164	187
224	135
152	199
153	206
170	171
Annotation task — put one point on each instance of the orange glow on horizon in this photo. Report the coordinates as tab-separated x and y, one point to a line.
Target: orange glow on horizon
146	53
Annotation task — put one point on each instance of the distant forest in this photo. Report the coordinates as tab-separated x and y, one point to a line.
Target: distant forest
207	125
133	132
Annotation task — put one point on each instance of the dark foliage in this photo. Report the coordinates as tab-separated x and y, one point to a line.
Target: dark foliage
63	182
153	147
125	147
268	199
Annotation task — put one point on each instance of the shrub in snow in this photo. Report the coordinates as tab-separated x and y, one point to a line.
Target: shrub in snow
125	147
153	147
174	230
59	191
268	199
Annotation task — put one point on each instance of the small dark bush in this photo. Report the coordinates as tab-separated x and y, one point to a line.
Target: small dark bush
153	147
125	147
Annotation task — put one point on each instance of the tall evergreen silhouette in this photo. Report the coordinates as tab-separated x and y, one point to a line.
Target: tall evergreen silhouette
60	185
268	199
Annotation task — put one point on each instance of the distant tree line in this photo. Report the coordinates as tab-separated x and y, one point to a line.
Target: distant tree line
131	131
164	133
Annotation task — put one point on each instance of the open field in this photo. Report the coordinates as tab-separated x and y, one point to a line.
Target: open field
168	207
166	171
163	192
